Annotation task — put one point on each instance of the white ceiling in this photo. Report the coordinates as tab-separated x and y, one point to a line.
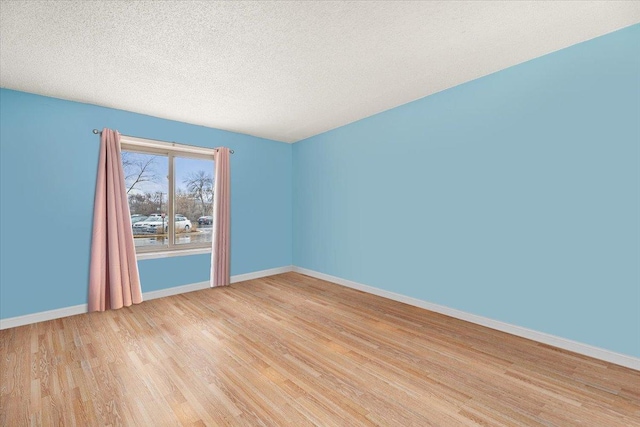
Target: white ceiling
279	70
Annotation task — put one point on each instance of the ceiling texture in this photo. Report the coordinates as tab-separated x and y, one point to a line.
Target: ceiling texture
279	70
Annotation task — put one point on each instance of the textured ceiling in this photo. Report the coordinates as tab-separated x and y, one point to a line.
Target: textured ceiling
279	70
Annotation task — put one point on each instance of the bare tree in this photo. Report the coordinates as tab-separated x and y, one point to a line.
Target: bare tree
138	170
187	205
200	185
146	203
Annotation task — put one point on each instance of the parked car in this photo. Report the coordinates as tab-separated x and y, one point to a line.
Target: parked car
205	220
137	218
142	227
182	223
154	224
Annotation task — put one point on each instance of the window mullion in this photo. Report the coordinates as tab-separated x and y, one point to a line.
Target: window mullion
171	202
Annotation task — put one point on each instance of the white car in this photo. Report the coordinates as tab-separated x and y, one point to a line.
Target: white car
137	218
153	225
182	223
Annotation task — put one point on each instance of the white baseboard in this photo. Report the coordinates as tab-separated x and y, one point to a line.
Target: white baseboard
174	291
262	273
42	316
563	343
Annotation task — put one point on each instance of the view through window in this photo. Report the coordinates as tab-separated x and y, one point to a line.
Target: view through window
172	184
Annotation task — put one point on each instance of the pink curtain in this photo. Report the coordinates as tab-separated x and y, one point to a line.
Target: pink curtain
221	251
113	275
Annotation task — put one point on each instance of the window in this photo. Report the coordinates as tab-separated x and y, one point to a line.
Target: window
168	180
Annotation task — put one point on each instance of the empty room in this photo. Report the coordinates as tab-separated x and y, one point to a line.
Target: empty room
329	213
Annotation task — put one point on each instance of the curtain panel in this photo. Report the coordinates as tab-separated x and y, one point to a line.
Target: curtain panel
221	239
114	281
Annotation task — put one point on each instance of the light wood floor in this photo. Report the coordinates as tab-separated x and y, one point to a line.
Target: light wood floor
293	350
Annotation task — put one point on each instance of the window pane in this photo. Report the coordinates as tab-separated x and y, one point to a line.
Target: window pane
147	190
193	200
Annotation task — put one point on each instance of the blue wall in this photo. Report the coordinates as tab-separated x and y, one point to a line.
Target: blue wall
48	161
514	196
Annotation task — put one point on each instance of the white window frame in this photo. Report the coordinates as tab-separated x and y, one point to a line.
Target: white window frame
171	150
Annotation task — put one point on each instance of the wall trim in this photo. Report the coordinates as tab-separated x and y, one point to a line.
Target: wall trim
555	341
167	292
261	273
42	316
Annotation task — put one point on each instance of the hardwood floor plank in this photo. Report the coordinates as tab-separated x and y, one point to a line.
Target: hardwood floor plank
295	350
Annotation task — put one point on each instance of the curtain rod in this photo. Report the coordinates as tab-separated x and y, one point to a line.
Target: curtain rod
98	132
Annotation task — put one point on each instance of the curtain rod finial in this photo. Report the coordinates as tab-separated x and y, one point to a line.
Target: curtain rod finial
96	131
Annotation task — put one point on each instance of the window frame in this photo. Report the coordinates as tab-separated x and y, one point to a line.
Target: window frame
171	150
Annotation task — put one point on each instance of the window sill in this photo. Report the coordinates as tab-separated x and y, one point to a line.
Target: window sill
171	254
